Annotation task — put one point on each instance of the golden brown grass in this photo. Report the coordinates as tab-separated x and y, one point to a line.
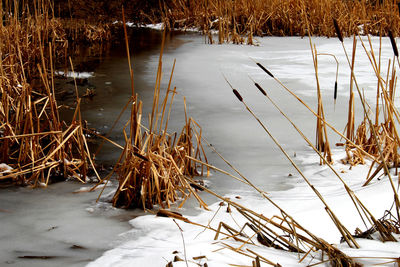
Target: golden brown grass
153	163
33	139
238	21
38	146
152	168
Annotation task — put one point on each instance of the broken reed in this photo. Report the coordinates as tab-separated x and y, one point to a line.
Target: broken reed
153	163
238	21
34	142
321	132
280	232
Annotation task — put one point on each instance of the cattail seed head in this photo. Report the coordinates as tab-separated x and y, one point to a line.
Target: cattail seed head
338	31
260	88
265	70
335	92
238	95
394	46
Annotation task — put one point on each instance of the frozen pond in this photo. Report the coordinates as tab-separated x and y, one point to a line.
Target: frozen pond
57	226
74	229
199	76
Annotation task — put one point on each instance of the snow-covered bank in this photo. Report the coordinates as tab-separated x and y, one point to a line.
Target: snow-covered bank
155	241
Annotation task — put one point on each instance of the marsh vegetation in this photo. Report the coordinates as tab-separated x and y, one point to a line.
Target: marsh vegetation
156	168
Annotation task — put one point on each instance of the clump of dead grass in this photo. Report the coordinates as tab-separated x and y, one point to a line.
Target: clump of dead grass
153	163
34	142
152	168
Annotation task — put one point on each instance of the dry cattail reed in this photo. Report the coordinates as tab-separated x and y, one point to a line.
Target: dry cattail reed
362	151
338	31
364	213
393	42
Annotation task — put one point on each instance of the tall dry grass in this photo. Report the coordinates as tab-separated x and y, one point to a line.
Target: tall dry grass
238	21
37	147
376	139
34	143
153	165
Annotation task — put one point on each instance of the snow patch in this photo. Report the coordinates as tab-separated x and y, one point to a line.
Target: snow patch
4	169
70	74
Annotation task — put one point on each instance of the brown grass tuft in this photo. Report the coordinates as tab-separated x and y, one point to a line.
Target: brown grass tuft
34	142
153	164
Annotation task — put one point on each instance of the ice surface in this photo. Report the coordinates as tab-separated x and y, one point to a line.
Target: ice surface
198	76
57	223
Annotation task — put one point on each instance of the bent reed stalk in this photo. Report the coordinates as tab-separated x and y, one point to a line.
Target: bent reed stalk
363	212
281	232
358	143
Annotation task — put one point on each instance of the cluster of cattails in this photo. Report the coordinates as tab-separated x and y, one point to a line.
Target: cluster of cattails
377	135
376	141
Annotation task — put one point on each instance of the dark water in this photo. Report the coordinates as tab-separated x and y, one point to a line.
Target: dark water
112	84
56	226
